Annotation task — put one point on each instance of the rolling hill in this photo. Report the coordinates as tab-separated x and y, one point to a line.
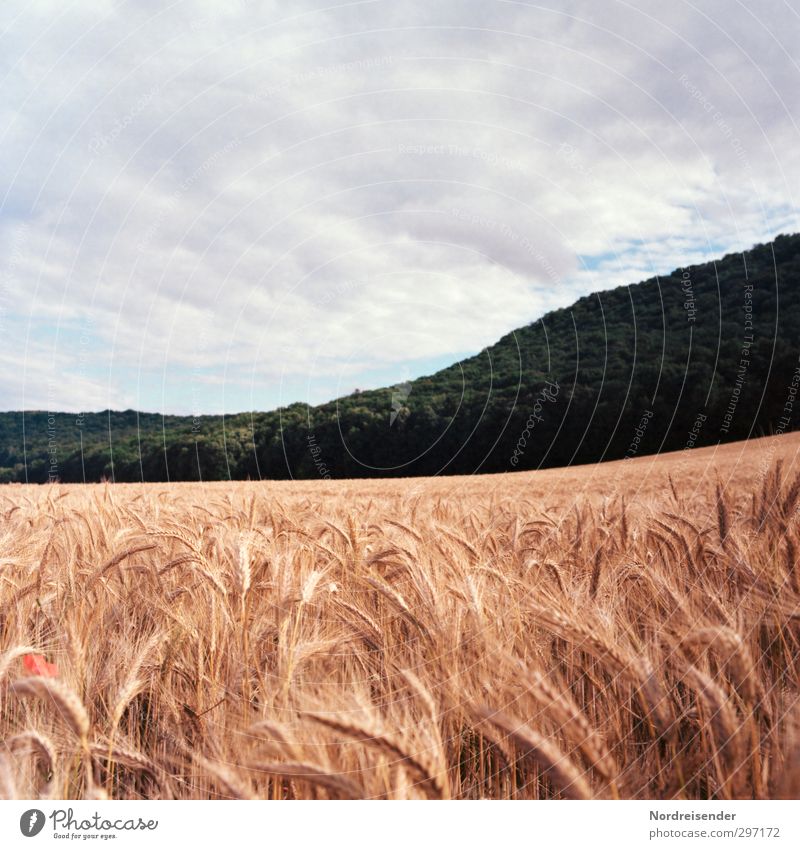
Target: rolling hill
706	354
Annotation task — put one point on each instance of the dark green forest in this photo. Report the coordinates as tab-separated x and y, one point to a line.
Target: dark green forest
704	355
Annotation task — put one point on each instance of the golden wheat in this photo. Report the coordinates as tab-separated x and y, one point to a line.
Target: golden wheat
630	630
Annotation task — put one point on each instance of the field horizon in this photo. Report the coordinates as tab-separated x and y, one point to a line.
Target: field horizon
708	349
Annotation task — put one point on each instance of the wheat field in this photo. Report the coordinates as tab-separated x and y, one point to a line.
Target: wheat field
629	630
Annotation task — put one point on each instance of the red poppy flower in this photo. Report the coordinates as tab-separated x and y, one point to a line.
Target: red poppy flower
37	665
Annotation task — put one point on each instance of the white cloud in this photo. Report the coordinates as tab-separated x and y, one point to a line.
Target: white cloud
243	195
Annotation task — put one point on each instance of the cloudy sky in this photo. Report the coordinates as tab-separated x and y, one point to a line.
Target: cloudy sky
229	206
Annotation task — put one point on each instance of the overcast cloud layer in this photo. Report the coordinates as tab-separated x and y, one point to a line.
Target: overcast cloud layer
218	207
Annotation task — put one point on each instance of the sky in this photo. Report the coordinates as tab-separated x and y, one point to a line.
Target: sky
210	207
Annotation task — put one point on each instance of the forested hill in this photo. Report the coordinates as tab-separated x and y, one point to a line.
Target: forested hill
706	354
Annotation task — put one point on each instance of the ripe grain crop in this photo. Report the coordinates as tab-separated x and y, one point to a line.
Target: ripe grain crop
630	630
